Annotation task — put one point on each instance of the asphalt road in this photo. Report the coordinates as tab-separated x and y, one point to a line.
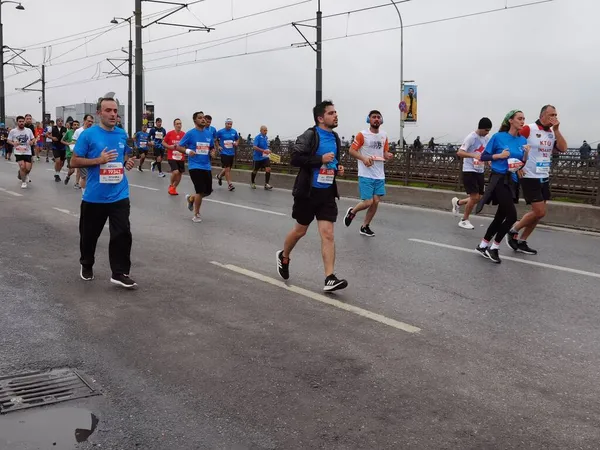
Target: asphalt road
221	356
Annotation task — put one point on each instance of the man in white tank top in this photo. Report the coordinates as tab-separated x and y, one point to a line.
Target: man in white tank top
371	149
542	137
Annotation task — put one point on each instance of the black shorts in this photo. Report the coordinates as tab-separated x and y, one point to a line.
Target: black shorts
474	182
26	158
177	165
262	164
321	204
159	152
534	190
59	154
227	161
202	180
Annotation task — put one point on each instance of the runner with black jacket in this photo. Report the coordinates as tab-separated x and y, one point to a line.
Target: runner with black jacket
316	152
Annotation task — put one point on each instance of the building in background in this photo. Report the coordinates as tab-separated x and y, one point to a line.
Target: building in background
76	112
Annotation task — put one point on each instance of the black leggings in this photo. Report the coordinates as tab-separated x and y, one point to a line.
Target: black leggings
506	215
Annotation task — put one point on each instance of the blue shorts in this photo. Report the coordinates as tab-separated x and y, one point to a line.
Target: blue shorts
369	187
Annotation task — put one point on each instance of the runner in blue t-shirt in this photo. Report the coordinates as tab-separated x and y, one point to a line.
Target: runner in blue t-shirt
103	150
507	150
212	130
141	144
155	139
261	158
198	144
227	140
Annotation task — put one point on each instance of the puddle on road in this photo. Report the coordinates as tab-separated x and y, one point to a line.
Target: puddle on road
47	429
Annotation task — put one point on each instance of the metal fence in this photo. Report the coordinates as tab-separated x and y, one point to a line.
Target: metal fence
570	176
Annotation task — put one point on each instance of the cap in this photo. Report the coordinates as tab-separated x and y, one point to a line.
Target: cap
228	120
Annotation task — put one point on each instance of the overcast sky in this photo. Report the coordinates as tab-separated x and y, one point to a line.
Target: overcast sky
465	69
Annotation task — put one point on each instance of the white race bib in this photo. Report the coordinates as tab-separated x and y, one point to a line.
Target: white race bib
202	148
177	156
158	135
21	150
143	144
514	164
326	175
111	173
542	165
228	144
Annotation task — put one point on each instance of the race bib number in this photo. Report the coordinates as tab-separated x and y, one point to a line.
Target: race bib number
143	144
228	144
478	165
326	175
177	156
202	148
21	150
111	173
543	165
514	164
158	135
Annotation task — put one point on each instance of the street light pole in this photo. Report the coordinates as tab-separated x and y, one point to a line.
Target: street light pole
2	96
319	55
139	82
401	73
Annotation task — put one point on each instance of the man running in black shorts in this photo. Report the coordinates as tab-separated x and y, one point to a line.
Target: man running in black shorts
59	151
21	139
175	158
316	153
155	139
227	140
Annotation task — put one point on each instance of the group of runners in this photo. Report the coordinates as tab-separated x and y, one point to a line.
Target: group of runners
519	156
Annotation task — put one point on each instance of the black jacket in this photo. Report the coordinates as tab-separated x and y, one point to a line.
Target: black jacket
58	133
304	156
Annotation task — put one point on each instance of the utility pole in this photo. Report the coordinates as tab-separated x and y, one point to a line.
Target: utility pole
41	80
319	55
129	73
2	96
139	66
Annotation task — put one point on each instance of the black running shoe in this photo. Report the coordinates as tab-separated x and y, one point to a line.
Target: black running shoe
57	178
349	217
123	280
332	283
524	248
231	187
366	231
493	255
220	180
67	180
86	274
140	169
283	265
481	251
512	241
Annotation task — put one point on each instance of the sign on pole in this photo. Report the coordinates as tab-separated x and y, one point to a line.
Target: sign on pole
408	105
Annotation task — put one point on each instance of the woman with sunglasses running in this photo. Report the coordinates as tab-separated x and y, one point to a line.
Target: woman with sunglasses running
507	150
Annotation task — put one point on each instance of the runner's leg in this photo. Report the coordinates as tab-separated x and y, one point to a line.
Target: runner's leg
327	246
297	233
372	210
470	203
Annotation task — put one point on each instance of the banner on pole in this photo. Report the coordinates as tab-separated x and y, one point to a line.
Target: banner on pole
148	115
408	105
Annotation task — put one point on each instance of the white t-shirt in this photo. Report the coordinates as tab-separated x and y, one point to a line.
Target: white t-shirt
474	144
374	145
21	139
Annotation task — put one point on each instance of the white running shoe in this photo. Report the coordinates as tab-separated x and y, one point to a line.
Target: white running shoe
466	225
455	206
24	185
196	219
161	175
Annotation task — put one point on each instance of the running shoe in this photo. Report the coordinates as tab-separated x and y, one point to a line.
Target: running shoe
76	186
120	279
231	187
37	158
190	204
196	218
492	254
512	241
153	166
467	225
253	186
481	251
24	185
268	187
366	231
161	175
172	190
140	169
522	247
332	283
57	178
283	265
67	180
455	206
349	217
220	180
86	274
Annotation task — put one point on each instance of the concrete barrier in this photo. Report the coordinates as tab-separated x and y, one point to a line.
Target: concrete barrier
562	214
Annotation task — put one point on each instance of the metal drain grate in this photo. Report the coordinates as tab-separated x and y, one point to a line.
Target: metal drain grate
33	389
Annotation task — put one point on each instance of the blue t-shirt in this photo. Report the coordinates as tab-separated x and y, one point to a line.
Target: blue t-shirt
200	142
224	135
500	142
260	141
327	144
213	131
101	186
157	135
140	137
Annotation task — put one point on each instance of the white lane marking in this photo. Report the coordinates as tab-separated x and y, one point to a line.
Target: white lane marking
522	261
321	298
244	207
66	211
143	187
15	194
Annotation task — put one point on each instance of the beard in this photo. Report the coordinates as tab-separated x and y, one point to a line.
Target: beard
376	126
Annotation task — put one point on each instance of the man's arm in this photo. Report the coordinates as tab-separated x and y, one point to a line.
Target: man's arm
354	150
561	142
